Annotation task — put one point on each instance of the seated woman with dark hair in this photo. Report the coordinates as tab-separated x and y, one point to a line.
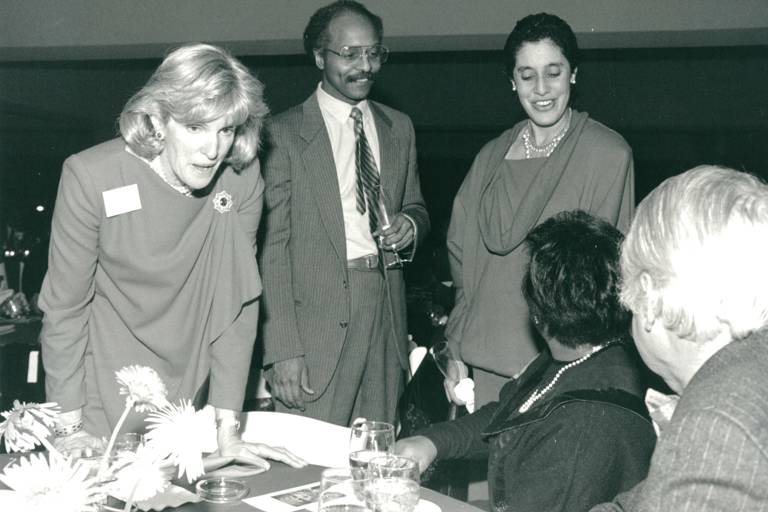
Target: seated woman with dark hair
572	429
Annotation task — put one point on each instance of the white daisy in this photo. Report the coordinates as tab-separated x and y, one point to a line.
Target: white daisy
140	475
178	432
143	387
57	485
27	425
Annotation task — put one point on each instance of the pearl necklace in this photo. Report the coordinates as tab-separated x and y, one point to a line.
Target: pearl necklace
539	393
534	151
158	168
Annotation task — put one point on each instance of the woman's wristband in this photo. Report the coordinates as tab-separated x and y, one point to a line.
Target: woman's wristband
68	430
68	423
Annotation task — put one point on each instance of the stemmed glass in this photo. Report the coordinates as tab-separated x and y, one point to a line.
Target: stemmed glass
393	484
367	440
384	223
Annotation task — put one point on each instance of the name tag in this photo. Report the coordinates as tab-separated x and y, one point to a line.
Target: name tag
121	200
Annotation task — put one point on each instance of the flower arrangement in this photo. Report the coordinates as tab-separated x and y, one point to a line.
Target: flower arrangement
175	437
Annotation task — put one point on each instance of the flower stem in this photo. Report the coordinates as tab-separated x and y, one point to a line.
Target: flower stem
105	459
129	501
51	449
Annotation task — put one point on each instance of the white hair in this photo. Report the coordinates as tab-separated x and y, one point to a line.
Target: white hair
702	237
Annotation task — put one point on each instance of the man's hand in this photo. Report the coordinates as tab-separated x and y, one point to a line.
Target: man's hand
457	370
419	448
290	378
398	235
80	444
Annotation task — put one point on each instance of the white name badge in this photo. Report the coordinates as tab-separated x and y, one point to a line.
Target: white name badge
121	200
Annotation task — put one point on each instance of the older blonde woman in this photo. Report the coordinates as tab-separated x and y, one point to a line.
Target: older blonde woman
696	279
152	257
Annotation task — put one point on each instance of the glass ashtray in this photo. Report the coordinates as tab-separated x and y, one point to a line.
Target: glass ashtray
221	490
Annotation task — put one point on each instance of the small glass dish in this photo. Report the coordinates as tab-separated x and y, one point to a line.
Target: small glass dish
221	490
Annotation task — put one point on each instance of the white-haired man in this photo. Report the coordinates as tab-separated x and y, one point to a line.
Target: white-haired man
696	278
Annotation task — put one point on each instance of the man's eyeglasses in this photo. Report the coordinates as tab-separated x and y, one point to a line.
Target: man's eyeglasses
376	53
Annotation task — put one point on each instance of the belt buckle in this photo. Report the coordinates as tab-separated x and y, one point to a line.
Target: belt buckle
371	261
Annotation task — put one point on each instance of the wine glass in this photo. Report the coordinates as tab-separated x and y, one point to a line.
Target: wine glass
367	440
384	223
393	484
340	492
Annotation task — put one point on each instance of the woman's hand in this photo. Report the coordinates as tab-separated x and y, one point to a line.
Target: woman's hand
80	444
457	370
255	453
419	448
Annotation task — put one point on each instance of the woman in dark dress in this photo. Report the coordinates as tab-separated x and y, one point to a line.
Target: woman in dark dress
572	430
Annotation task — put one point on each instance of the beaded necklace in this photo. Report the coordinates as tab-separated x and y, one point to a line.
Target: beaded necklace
534	151
539	393
157	167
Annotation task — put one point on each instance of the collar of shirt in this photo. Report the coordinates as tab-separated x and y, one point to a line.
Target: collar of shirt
338	112
661	407
341	110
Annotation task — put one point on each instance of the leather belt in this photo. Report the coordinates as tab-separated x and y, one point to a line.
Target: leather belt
368	262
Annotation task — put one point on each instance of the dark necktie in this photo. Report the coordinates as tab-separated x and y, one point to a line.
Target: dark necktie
367	174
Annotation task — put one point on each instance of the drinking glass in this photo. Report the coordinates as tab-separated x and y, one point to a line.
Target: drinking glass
128	442
384	223
393	484
369	439
340	492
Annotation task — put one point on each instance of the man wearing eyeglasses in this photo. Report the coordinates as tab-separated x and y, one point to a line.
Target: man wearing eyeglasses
343	203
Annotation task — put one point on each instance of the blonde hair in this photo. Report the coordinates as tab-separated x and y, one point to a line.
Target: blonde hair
197	83
702	237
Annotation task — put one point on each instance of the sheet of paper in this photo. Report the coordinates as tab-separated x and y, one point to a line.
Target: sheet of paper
296	499
317	442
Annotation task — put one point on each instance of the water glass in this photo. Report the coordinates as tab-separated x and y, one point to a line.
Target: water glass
128	442
369	439
391	494
393	466
340	492
393	484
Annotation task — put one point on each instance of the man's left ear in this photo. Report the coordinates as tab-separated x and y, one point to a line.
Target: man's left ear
157	123
319	59
573	76
650	310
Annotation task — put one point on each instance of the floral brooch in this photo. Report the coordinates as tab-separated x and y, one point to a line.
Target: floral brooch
222	202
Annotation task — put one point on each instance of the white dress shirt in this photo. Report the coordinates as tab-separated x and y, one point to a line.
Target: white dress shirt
341	131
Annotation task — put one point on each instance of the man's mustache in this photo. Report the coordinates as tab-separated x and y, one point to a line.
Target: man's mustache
360	76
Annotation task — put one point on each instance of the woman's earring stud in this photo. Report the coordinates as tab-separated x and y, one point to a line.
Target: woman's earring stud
159	135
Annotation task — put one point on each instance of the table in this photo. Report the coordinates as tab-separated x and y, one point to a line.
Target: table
281	476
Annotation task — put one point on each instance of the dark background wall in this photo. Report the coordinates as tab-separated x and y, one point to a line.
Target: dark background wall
677	107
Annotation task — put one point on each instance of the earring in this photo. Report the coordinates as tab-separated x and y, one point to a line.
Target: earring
573	80
159	135
514	87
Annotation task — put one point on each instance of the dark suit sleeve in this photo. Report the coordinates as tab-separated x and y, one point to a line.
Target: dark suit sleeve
413	202
280	332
